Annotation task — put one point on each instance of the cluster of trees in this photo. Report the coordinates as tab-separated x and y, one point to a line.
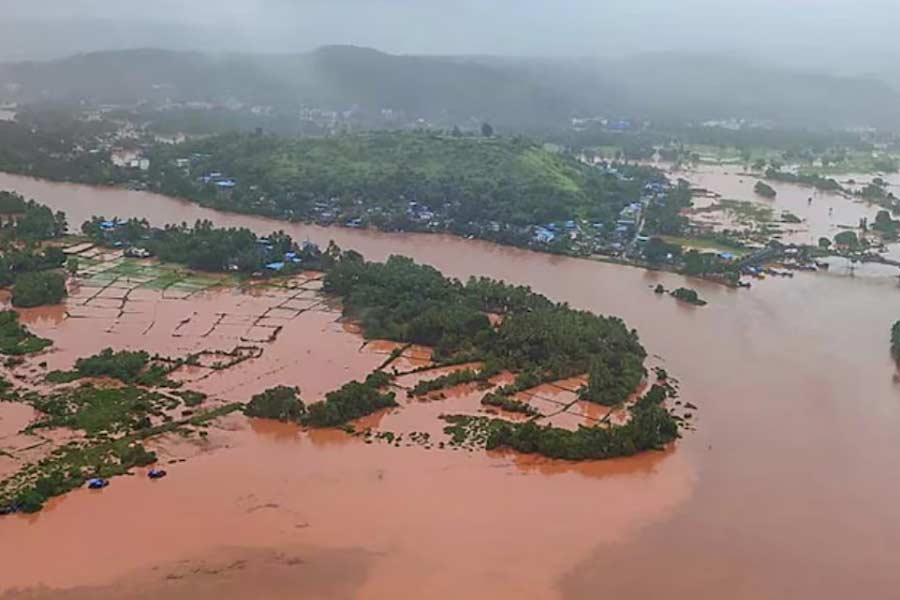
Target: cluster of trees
509	404
764	189
131	367
613	378
826	184
281	403
205	247
352	401
24	264
664	216
15	339
688	295
541	341
27	221
38	288
650	427
54	148
451	380
886	225
848	240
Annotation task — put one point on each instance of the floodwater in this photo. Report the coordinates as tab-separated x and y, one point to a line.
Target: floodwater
825	216
300	339
785	489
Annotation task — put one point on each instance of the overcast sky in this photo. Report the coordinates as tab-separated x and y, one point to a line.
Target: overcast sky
820	31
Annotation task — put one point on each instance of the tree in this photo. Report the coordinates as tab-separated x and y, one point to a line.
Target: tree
657	250
487	130
824	243
765	190
38	289
847	239
282	403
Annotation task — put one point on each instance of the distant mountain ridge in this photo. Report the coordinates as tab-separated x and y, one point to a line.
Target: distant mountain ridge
515	92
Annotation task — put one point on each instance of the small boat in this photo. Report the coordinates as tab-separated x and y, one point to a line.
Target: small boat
156	474
97	484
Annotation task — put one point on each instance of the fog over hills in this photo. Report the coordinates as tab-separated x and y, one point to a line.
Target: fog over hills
846	37
525	93
804	62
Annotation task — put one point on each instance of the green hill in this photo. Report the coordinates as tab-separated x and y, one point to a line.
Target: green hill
465	183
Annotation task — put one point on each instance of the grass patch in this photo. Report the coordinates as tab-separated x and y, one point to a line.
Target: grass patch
706	244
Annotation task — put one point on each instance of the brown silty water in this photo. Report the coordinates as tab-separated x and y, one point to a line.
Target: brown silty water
824	214
783	491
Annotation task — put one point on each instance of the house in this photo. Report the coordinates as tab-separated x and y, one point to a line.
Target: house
134	252
543	235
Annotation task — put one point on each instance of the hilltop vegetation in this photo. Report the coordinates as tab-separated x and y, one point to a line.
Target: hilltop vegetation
498	188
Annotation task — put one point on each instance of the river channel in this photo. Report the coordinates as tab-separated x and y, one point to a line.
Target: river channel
786	489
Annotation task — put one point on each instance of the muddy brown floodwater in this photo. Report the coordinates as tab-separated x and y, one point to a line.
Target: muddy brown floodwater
827	215
786	489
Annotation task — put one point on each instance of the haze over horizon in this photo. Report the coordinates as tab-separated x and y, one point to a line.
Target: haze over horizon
833	36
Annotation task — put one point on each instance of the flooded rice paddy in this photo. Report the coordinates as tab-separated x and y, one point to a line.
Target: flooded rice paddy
783	491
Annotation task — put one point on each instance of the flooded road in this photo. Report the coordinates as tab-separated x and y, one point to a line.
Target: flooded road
786	489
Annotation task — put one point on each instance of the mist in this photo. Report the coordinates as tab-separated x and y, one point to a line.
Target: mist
853	37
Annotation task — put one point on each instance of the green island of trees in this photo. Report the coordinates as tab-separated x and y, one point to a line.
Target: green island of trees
281	403
826	184
689	296
352	401
538	340
764	189
650	427
130	367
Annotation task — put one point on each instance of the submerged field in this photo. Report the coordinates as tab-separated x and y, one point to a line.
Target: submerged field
215	342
